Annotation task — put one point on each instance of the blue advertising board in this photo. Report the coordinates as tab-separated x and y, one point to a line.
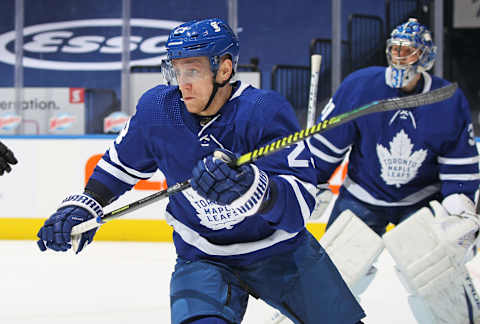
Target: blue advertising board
78	43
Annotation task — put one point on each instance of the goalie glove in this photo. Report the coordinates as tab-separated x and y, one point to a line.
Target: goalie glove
457	223
242	188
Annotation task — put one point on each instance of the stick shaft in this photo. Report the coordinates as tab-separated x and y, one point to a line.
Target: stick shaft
95	222
335	121
316	61
373	107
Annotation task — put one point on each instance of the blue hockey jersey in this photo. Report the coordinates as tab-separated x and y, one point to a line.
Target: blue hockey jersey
398	158
163	135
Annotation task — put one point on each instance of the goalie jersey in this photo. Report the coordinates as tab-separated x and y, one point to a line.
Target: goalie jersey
163	135
398	158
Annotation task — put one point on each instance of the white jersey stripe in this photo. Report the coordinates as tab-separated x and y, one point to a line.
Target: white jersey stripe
362	194
194	239
117	173
458	161
328	144
301	200
112	151
459	177
325	157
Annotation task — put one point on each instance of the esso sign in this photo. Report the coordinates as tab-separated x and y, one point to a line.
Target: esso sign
66	42
88	44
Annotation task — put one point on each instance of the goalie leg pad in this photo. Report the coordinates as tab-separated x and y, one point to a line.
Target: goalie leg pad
428	271
364	282
352	246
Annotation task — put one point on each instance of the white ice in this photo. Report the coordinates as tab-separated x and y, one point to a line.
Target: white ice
115	283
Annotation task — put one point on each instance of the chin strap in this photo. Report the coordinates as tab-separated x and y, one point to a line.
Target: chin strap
215	89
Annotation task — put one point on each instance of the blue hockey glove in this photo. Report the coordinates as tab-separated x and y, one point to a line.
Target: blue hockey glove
6	158
241	187
55	234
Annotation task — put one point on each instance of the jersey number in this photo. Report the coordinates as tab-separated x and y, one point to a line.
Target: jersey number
293	160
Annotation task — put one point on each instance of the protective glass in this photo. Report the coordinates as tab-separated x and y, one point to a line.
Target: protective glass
178	74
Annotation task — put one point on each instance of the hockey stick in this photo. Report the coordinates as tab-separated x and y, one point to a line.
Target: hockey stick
373	107
316	61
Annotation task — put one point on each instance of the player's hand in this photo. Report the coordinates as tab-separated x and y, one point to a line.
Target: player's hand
6	159
214	179
240	187
55	234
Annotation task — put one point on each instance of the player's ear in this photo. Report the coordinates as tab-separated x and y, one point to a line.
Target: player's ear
225	69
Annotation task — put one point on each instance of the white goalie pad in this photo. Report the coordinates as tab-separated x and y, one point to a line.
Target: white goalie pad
436	282
352	246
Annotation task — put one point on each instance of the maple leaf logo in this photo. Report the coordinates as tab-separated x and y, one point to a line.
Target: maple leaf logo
399	164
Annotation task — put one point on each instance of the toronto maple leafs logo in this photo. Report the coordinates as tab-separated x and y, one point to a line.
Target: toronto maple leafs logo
400	164
211	215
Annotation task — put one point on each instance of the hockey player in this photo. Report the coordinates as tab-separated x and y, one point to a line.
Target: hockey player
6	159
237	231
399	162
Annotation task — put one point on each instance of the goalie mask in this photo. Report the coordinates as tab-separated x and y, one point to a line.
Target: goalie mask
410	51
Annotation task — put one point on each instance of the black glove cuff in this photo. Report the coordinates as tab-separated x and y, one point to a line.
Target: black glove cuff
99	192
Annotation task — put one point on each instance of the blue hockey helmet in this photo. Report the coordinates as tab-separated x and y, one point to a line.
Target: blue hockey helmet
212	38
414	35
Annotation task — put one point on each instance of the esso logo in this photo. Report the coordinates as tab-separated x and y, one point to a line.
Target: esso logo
90	44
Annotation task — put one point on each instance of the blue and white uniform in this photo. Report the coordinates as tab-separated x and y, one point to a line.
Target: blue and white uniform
237	231
399	160
163	135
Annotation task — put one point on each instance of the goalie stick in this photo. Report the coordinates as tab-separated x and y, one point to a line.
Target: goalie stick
412	101
316	61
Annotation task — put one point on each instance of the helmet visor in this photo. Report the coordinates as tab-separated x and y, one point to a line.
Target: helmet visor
184	71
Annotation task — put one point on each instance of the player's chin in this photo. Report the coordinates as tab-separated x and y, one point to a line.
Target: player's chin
194	107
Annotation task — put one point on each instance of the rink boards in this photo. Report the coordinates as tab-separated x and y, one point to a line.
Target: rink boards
50	168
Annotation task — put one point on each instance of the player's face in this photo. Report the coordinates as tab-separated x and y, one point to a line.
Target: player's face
194	78
403	55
